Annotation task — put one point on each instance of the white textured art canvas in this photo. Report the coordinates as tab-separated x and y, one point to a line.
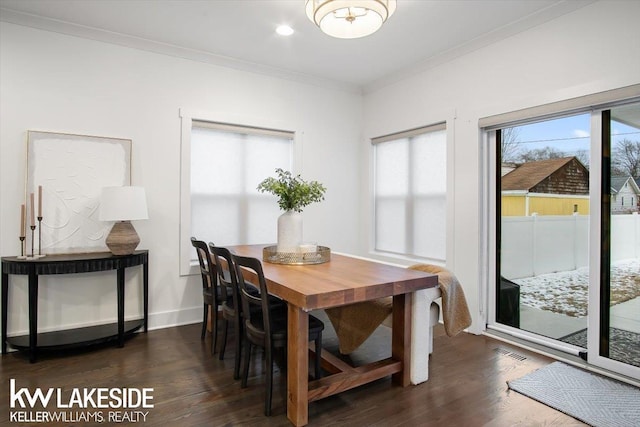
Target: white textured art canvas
72	170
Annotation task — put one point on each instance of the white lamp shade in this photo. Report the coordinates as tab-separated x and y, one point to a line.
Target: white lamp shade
123	204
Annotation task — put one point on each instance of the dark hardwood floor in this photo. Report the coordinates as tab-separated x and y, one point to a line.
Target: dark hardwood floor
466	387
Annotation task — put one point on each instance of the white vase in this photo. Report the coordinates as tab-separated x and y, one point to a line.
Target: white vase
289	231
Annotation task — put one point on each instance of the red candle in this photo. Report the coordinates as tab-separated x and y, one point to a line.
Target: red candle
39	201
33	210
23	220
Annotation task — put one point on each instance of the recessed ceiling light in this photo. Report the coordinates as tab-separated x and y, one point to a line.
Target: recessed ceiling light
284	30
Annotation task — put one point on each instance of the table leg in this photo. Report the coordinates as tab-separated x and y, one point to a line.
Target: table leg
145	294
120	307
298	366
401	338
5	308
33	316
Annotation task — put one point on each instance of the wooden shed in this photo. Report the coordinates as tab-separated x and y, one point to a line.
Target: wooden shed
546	187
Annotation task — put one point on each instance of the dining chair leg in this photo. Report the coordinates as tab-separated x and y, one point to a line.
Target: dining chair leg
214	328
269	382
223	345
236	367
318	359
245	368
204	321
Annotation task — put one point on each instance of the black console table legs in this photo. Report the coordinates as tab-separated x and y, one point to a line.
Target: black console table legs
72	264
33	317
5	306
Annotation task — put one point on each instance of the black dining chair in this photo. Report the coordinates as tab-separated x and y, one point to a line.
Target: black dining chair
211	293
231	305
266	326
231	302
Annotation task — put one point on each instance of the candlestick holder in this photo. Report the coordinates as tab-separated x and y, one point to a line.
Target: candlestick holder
33	232
22	245
40	255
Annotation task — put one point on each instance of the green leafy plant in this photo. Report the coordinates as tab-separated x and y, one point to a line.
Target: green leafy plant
293	192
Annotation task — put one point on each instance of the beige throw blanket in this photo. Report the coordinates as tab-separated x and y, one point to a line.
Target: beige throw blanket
354	323
455	312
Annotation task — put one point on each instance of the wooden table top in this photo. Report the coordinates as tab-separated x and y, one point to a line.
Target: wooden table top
343	280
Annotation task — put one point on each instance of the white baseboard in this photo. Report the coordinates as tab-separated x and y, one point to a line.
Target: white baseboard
160	320
169	319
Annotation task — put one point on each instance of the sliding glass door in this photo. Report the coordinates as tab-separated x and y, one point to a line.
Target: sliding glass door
614	338
567	234
544	225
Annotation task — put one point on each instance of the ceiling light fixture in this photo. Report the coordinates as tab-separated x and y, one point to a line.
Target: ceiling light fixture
349	19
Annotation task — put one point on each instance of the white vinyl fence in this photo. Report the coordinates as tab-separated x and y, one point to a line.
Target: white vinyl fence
534	245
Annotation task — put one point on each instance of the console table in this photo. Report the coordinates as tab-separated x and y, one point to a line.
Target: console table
72	264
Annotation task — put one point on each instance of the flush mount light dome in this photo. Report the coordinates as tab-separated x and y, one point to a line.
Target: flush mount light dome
349	19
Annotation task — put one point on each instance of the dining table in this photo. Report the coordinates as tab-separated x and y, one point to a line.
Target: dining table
340	281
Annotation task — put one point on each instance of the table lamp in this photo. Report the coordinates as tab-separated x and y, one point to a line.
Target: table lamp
123	205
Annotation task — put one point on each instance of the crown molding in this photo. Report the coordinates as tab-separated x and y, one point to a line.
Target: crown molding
533	20
71	29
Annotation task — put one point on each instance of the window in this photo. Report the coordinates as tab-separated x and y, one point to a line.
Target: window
410	193
222	165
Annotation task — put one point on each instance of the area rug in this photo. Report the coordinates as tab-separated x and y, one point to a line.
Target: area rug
588	397
624	346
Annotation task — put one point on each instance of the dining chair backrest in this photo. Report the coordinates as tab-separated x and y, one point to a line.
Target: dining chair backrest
258	322
227	278
207	267
230	302
209	291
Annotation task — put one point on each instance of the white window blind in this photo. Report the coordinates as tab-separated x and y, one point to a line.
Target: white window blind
227	164
410	193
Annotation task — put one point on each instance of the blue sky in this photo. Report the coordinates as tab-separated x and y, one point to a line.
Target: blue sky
567	134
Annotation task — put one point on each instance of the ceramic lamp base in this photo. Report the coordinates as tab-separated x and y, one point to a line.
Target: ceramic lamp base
123	239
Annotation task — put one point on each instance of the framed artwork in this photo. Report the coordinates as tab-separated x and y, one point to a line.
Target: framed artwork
65	176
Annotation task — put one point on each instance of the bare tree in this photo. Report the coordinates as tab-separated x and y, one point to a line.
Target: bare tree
583	157
510	139
512	151
625	159
541	154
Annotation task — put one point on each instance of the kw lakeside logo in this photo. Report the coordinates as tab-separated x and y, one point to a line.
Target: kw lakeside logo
97	405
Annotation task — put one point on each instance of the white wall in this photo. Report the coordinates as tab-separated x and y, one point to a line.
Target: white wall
53	82
59	83
594	49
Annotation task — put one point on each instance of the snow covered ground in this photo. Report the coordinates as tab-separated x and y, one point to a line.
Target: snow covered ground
566	292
